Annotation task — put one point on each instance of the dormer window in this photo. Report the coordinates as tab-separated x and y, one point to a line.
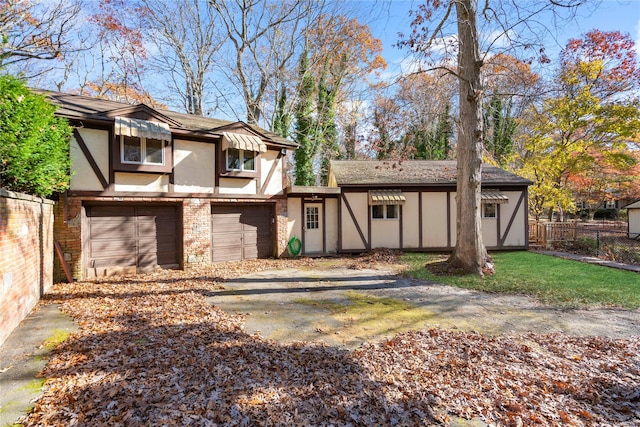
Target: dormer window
143	151
241	160
142	146
241	154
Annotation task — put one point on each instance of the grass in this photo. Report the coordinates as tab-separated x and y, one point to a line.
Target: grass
553	281
57	337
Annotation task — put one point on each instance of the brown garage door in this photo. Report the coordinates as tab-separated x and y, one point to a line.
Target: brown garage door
130	238
240	232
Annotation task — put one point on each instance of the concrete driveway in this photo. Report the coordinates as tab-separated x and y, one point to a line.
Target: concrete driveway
345	307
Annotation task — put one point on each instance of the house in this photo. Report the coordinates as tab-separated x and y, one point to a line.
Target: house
633	218
408	205
154	188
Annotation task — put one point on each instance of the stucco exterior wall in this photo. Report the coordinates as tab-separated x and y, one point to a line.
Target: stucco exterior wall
194	166
518	232
385	233
141	182
238	186
275	184
634	222
294	219
360	206
411	221
434	220
26	256
83	177
331	221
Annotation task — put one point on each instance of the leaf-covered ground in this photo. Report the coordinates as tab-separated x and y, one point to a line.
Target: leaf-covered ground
151	351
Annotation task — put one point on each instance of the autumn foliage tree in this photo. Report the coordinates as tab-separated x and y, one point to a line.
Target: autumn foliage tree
587	122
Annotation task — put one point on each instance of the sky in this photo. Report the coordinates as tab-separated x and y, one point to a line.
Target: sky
610	15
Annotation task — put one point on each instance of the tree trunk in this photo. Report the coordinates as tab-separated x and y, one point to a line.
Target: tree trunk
470	254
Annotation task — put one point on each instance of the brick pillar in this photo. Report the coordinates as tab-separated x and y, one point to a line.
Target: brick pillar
281	227
196	223
67	232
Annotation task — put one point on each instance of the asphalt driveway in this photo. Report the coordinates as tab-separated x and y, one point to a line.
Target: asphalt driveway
345	307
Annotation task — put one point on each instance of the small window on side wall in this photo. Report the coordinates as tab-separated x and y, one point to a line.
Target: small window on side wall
385	212
488	210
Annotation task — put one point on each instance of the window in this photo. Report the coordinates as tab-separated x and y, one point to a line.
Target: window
145	151
241	160
385	212
312	218
488	210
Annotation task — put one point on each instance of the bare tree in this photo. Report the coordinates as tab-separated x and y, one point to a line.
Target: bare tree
263	37
187	39
510	25
35	30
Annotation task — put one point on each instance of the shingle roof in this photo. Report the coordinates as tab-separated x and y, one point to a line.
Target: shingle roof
412	173
85	107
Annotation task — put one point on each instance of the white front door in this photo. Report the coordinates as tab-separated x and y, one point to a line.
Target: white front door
313	228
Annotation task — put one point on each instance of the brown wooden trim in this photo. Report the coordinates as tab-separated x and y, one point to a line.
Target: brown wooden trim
497	224
146	195
400	226
355	222
339	249
526	218
303	226
63	263
118	166
513	217
448	219
324	228
273	168
90	159
420	220
369	231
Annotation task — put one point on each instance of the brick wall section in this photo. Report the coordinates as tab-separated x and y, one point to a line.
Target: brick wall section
26	256
196	232
281	228
67	232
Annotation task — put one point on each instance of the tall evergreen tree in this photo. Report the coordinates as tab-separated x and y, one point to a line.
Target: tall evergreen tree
307	146
500	128
282	120
326	130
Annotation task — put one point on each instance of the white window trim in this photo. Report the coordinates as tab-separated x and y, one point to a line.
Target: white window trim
495	210
385	213
241	160
143	152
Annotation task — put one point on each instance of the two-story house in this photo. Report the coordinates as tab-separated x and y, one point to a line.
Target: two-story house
154	188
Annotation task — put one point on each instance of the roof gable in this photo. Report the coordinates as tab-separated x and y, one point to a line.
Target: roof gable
141	112
411	173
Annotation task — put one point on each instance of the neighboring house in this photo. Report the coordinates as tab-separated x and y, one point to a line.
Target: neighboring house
156	188
633	218
408	205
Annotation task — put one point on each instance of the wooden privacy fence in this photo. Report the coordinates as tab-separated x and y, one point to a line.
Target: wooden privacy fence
549	232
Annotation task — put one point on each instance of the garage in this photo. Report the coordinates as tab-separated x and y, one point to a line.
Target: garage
240	232
130	238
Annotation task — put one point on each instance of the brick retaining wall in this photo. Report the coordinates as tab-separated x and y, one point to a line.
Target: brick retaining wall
26	256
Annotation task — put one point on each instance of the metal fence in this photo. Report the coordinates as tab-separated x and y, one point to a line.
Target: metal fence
607	241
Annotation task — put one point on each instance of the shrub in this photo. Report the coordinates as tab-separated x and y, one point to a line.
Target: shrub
34	143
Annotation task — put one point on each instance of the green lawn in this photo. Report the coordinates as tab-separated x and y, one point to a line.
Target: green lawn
552	280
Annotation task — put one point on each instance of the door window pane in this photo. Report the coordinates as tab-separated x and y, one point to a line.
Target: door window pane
312	219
